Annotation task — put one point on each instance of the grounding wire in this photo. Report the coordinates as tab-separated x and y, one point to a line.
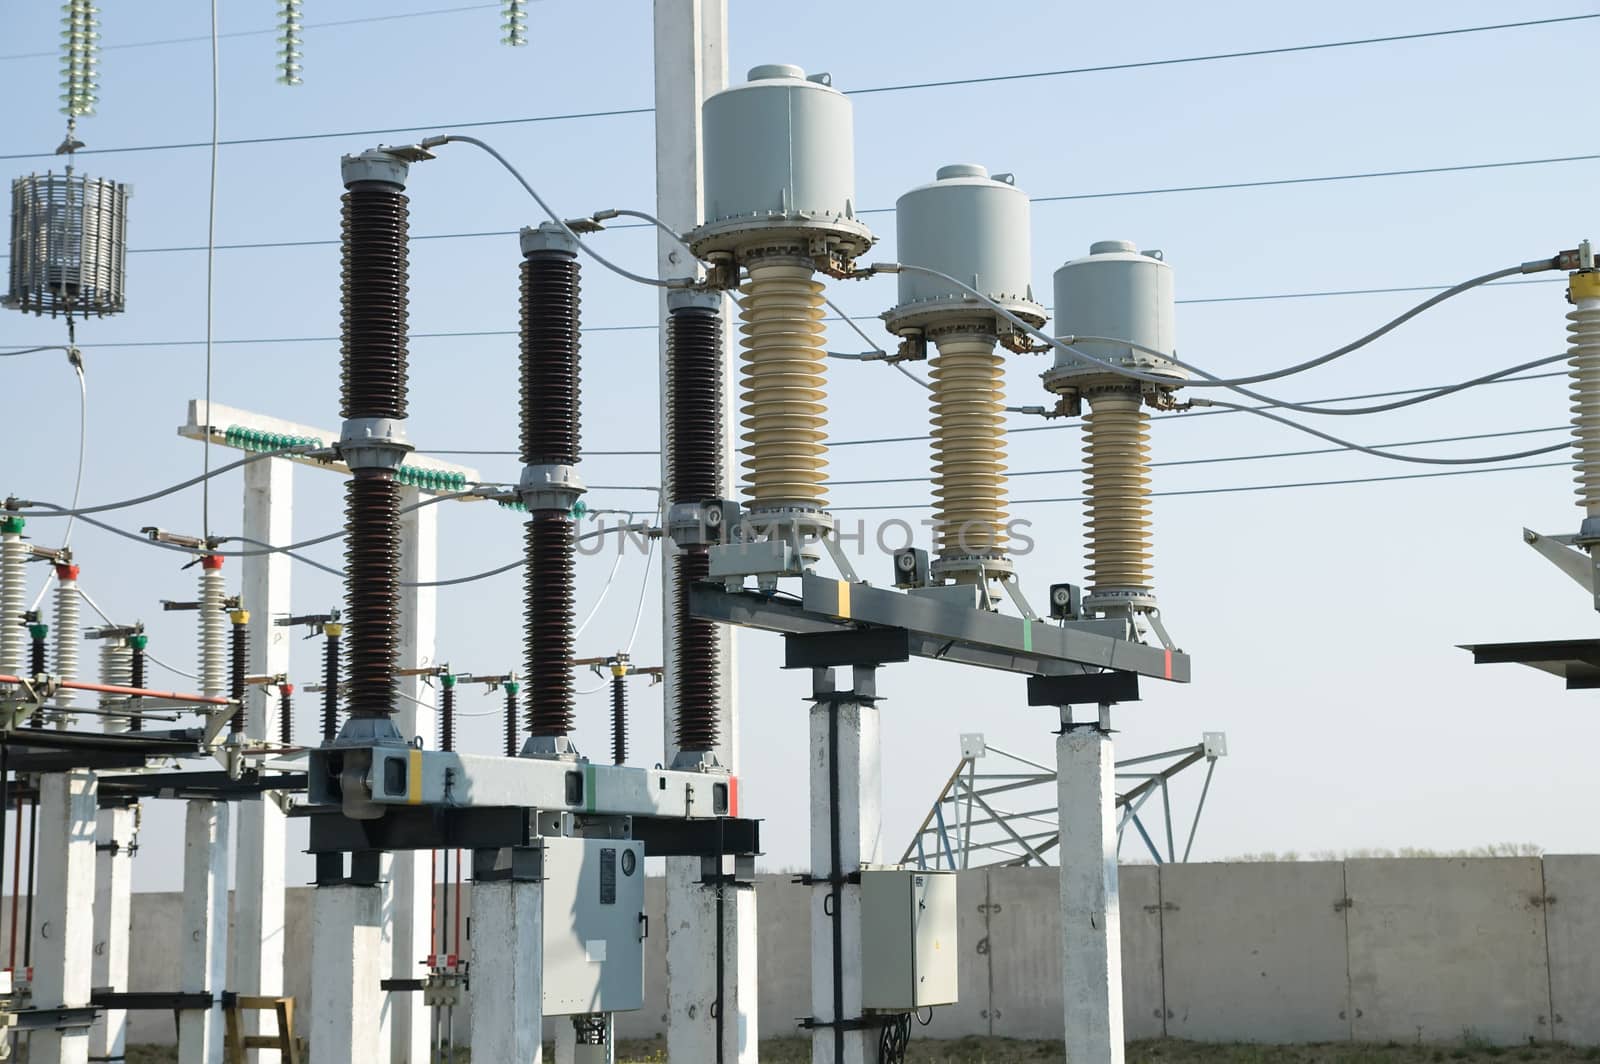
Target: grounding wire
873	90
211	258
459	138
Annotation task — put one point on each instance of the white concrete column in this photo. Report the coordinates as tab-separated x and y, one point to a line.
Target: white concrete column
507	979
347	965
63	914
203	950
691	63
408	902
1091	935
692	916
113	915
847	788
258	952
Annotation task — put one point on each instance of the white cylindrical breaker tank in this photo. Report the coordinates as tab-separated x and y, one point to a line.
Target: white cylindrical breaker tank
779	153
1119	293
975	228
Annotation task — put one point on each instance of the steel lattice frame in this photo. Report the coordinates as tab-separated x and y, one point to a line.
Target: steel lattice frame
966	828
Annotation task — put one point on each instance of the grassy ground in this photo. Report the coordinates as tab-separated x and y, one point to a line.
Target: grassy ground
1005	1051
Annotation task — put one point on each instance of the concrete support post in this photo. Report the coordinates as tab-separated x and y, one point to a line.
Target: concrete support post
63	915
698	1023
846	833
113	915
347	965
408	903
258	955
203	956
1091	933
507	977
691	63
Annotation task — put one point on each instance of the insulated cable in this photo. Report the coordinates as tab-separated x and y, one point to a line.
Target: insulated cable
459	138
62	511
1236	489
1379	452
1211	380
1260	456
1235	383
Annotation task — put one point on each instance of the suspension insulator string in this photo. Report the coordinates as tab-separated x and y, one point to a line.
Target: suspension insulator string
969	484
290	42
782	386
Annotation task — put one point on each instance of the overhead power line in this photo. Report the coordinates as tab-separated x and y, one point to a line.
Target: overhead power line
1253	53
1243	487
268	31
473	333
875	90
1262	456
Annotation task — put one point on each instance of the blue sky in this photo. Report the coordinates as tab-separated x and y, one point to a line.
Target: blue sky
1322	621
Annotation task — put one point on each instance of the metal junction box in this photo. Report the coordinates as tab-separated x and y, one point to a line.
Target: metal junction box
908	938
593	925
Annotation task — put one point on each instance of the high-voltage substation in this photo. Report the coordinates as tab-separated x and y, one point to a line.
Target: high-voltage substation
552	838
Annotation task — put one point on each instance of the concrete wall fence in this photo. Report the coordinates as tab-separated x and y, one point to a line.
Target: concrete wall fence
1502	950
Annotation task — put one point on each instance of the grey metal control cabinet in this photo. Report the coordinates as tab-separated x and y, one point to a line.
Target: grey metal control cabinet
908	938
593	925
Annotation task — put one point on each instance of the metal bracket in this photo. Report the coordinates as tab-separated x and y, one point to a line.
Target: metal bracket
1562	552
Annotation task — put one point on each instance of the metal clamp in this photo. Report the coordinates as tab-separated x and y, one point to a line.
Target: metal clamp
553	486
374	443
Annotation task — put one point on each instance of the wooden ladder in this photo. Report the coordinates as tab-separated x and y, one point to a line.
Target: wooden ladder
284	1041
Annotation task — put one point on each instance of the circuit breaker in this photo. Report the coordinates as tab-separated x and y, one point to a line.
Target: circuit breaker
908	938
594	925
